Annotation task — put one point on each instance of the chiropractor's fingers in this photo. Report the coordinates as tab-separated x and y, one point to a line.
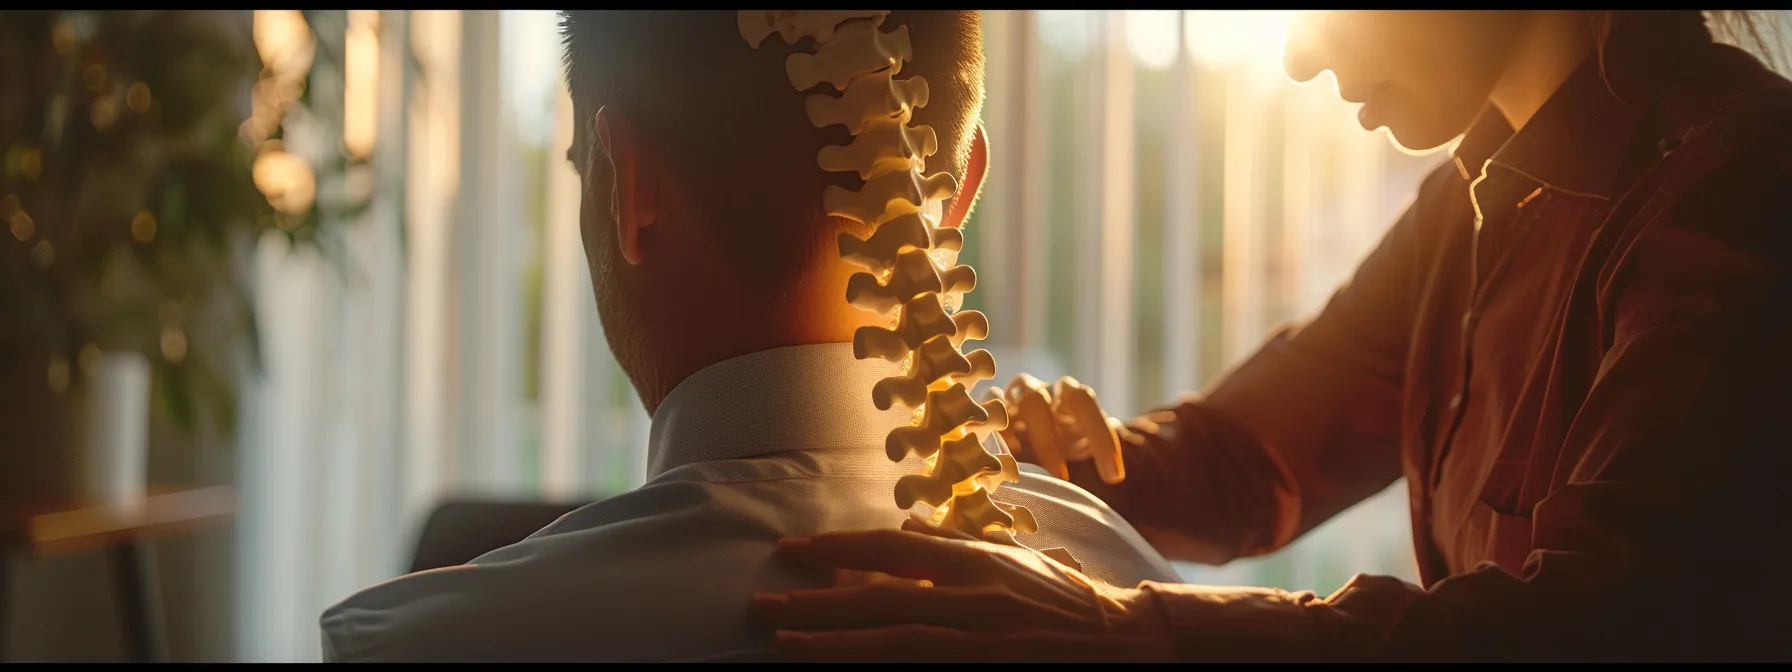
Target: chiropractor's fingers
1032	405
853	577
1015	443
916	524
926	557
946	562
1011	438
1076	404
1053	426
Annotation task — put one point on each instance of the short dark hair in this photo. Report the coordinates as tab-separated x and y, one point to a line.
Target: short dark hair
727	117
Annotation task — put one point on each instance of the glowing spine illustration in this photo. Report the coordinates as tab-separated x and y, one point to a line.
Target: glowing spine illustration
911	262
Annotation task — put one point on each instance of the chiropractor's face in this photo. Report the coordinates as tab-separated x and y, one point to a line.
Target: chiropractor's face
1424	74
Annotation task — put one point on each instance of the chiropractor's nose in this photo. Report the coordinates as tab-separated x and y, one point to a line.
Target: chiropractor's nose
1301	55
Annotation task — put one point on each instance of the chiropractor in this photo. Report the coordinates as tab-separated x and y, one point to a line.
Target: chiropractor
1575	345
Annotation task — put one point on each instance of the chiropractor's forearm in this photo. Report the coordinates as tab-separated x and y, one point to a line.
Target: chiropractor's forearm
1372	618
1198	487
1284	442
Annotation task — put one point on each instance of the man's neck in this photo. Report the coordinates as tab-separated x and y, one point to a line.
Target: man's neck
677	369
774	400
813	310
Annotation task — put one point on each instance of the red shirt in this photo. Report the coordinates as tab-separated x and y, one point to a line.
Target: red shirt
1576	347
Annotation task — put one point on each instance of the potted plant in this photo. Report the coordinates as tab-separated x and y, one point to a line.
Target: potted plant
142	158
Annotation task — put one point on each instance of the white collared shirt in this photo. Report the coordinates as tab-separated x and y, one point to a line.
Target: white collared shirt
782	442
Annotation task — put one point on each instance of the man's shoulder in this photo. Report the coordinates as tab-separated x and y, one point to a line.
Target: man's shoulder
663	572
639	576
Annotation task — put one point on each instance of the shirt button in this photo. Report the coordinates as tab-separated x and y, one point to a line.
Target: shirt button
1468	320
1456	401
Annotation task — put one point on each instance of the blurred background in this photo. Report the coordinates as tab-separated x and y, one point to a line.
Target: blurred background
1161	196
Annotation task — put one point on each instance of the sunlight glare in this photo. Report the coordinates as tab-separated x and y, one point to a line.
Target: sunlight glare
361	86
1152	36
283	39
1248	38
1066	30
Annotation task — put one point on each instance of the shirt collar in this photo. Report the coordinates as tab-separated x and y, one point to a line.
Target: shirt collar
1579	139
793	398
1575	143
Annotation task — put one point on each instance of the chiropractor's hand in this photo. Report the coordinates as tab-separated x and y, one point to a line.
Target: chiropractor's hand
1057	425
977	601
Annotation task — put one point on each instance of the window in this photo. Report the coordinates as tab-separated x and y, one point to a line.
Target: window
1160	197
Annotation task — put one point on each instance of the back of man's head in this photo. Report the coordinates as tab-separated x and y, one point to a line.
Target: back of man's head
733	133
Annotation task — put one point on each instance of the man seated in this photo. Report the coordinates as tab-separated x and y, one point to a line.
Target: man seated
722	295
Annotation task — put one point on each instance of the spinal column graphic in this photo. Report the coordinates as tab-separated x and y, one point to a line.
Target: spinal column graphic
911	272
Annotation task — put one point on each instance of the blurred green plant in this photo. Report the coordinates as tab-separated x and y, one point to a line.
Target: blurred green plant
144	158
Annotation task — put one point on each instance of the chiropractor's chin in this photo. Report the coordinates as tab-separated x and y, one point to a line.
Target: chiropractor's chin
1418	125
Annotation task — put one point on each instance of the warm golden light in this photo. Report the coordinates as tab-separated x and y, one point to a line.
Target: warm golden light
43	254
361	84
284	41
143	227
104	113
31	163
174	345
63	36
1151	35
22	226
286	46
1250	38
137	97
286	180
20	223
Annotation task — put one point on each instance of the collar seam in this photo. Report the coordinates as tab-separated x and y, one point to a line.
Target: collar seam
1545	183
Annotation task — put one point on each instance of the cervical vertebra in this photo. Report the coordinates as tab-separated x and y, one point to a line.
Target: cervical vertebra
911	262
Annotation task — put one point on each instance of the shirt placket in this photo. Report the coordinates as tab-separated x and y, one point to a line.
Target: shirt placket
1515	206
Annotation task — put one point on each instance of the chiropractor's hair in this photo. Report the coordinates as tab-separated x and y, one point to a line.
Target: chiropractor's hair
723	119
1756	30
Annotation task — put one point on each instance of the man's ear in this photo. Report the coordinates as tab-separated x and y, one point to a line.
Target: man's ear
974	171
635	202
